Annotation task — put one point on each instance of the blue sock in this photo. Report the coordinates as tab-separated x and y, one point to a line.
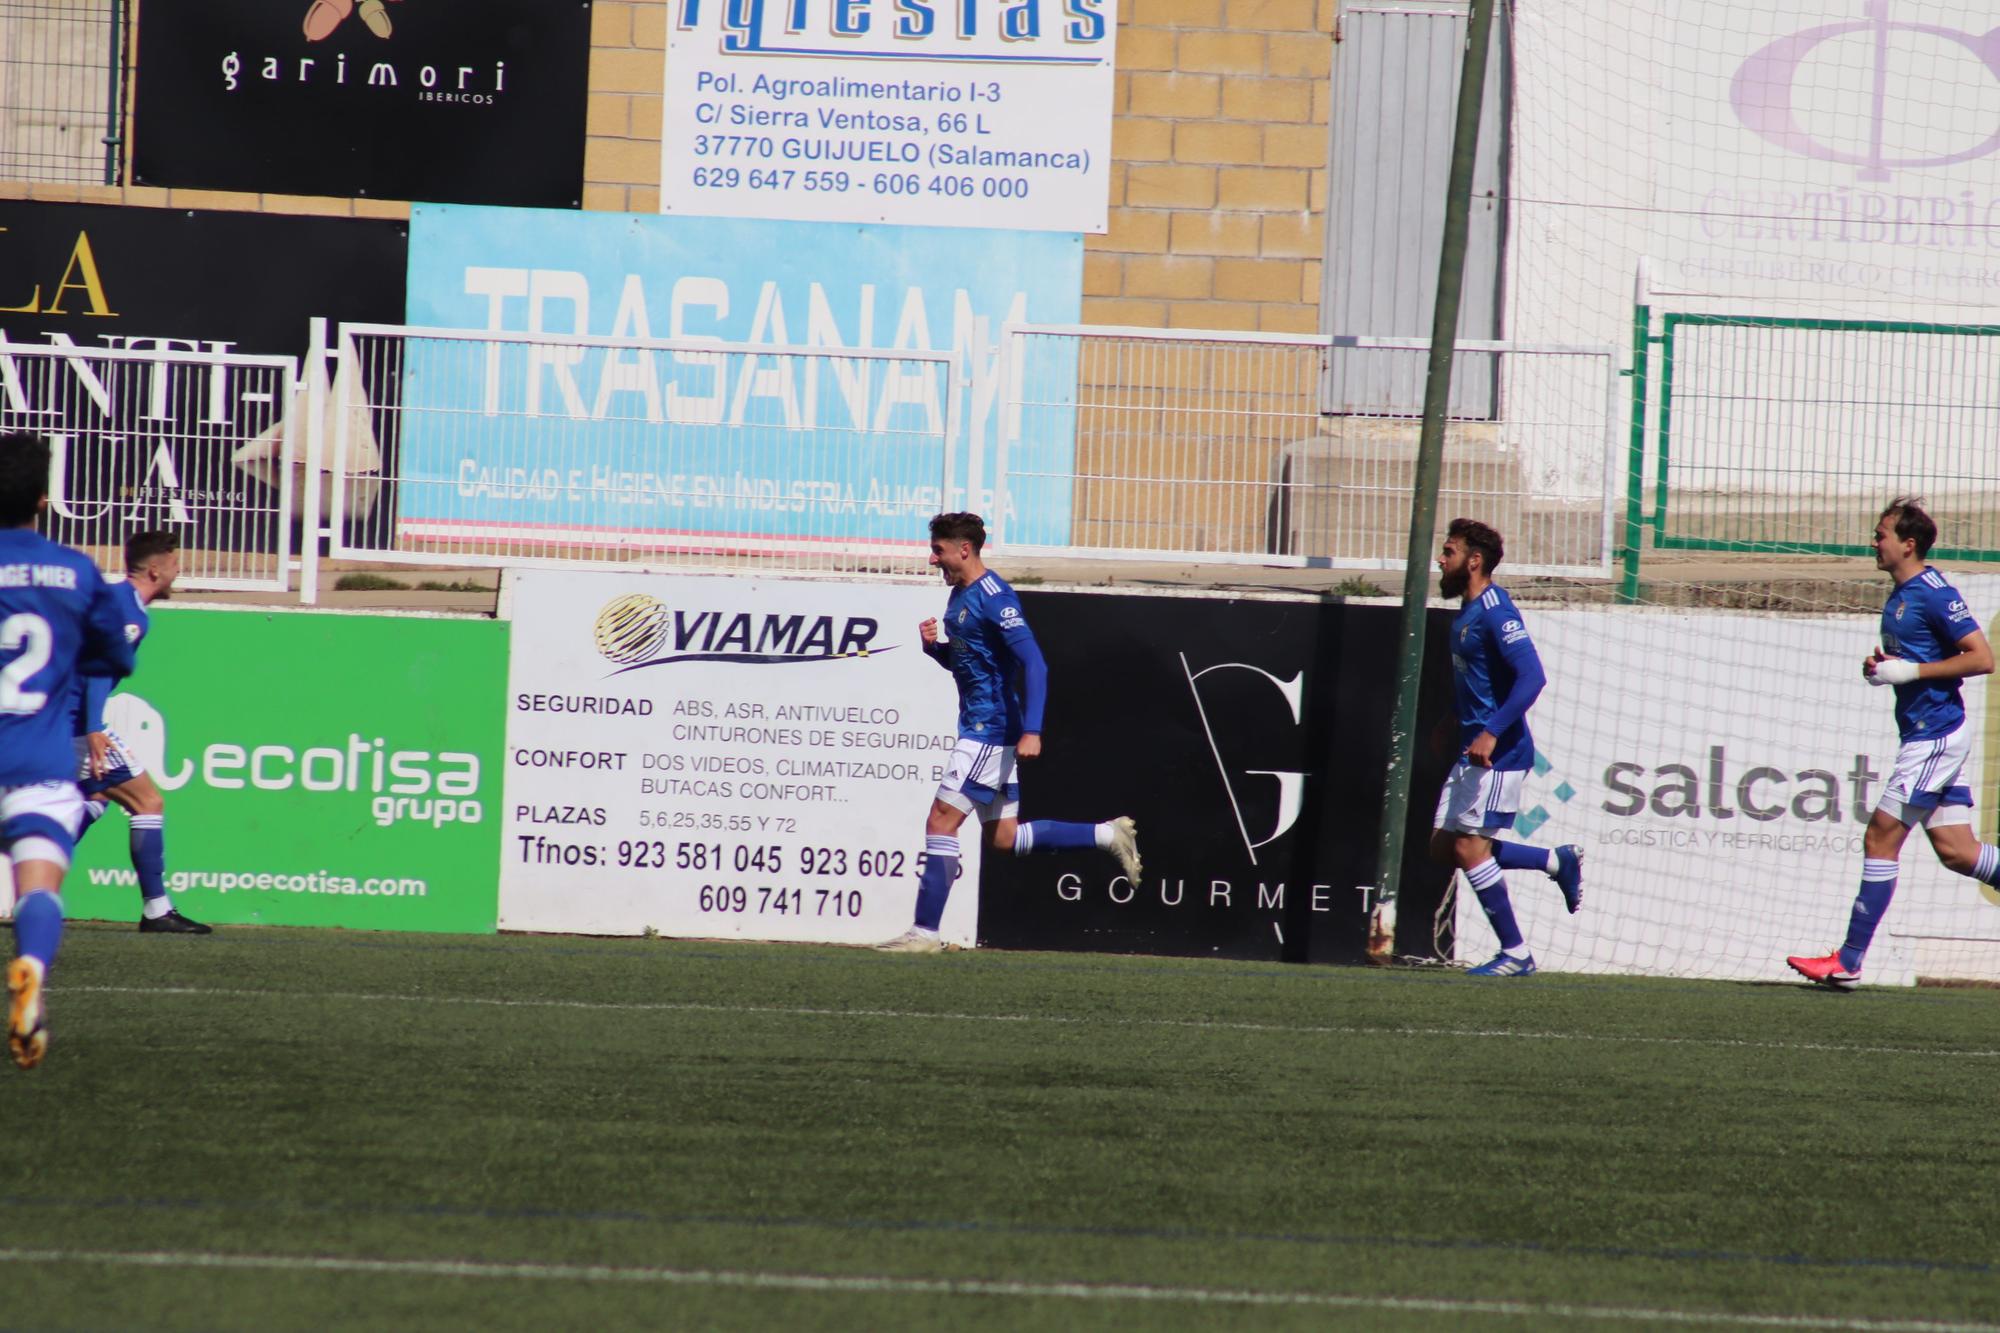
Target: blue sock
149	854
38	926
1491	886
1052	835
1878	886
93	810
940	869
1520	856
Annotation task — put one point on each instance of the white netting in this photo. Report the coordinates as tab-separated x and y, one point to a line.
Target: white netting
1790	213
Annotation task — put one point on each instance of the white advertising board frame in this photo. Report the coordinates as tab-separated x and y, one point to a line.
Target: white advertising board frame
1718	768
917	113
723	758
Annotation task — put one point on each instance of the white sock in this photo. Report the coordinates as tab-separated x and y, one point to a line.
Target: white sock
1555	862
1521	952
155	908
1104	835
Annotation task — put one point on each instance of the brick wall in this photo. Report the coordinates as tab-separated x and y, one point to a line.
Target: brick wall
1217	184
1218	188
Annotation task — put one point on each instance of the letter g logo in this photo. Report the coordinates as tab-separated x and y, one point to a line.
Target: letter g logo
1291	784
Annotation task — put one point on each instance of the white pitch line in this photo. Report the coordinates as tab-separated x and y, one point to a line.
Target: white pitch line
901	1286
1195	1024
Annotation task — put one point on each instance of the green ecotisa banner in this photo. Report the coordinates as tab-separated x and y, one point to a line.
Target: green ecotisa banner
318	769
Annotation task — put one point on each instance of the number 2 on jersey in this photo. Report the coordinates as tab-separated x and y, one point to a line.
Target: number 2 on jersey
32	635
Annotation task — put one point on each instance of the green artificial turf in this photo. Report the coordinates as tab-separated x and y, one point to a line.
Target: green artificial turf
271	1129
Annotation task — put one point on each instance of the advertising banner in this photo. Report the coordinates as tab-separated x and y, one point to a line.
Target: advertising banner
479	102
716	757
1721	803
954	115
1831	158
160	443
357	785
612	442
1248	739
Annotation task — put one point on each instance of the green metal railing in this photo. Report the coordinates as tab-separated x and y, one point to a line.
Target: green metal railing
1921	400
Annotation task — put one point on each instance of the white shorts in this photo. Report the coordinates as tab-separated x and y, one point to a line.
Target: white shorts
39	822
1924	788
981	781
1476	800
121	763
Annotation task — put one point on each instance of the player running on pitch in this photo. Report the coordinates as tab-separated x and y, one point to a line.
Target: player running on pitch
1496	676
56	616
988	647
107	770
1930	643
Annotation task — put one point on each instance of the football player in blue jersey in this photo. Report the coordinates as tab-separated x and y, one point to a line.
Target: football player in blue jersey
56	616
1930	643
1496	676
1002	681
107	769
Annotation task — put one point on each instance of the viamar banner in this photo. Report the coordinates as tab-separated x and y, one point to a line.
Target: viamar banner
731	758
358	786
682	445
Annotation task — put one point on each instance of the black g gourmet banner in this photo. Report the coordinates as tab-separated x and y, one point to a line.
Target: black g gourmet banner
456	101
147	439
1249	739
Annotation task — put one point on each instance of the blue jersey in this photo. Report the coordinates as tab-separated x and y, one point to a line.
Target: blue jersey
57	616
93	688
993	655
1495	676
1922	621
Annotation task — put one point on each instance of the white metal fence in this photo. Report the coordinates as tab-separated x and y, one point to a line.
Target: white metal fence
1211	446
455	447
196	442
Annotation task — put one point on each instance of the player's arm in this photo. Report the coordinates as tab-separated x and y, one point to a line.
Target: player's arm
1953	624
107	649
935	648
1518	651
1027	654
1973	658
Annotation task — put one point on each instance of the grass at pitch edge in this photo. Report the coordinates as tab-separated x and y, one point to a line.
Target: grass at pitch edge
294	1129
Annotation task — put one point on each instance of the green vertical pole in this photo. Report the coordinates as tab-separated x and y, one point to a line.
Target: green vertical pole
1430	453
1635	475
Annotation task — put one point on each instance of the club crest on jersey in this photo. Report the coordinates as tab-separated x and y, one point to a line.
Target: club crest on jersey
1899	610
961	615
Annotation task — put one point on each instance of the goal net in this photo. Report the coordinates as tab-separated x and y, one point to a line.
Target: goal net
1789	213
